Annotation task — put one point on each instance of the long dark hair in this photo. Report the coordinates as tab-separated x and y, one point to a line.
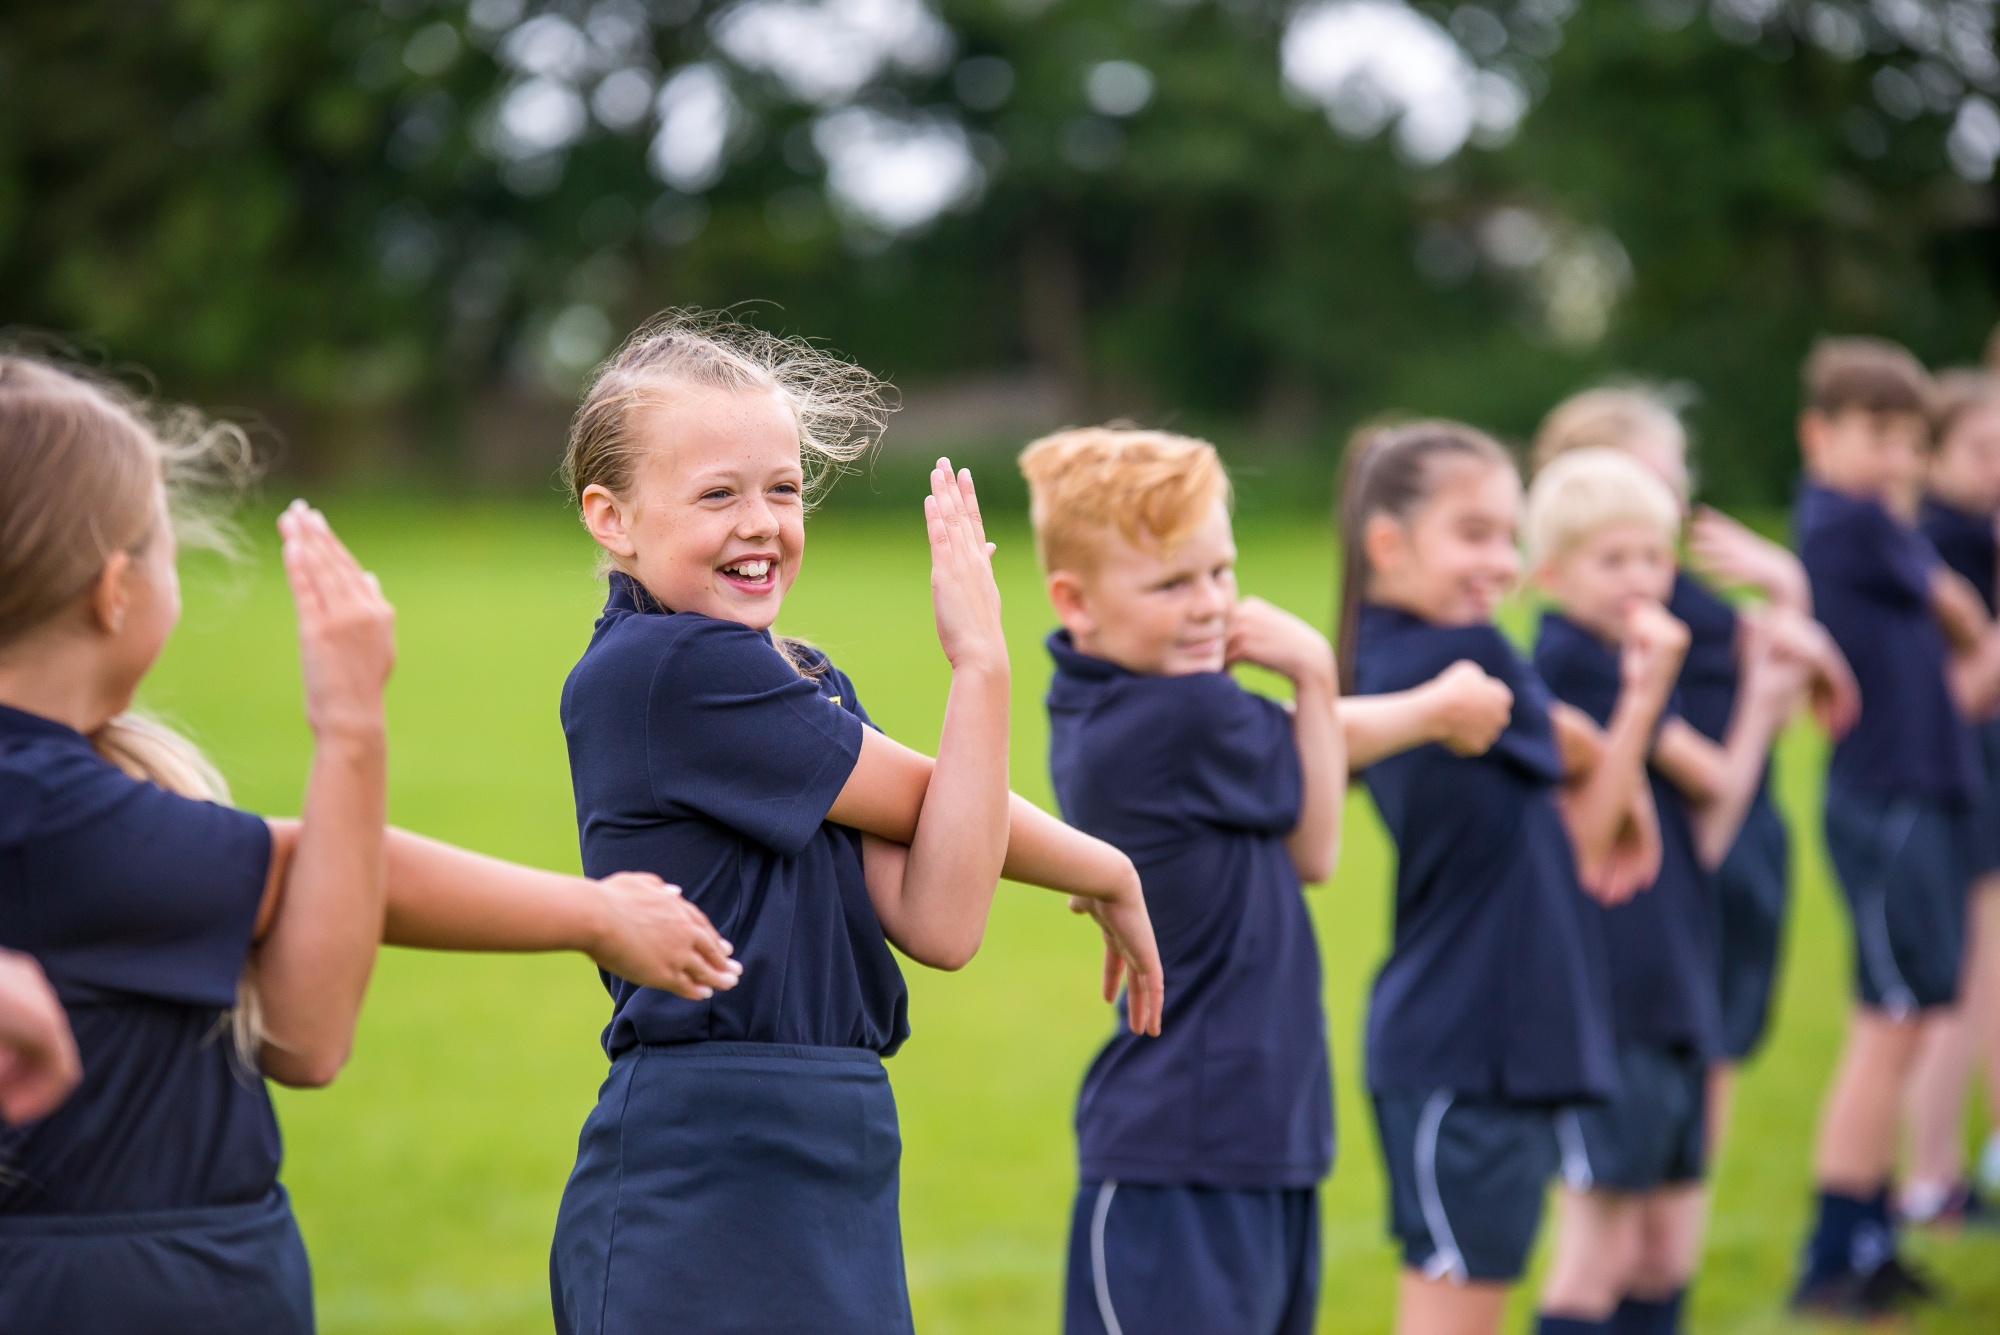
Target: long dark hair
1392	470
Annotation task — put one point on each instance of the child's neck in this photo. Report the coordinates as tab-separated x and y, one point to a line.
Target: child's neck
1401	601
56	677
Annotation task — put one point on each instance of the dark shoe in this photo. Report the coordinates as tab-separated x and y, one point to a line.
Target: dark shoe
1897	1286
1842	1297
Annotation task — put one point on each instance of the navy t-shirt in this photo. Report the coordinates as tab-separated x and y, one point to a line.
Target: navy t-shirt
1966	542
698	753
1871	590
1197	780
1495	986
1662	943
139	905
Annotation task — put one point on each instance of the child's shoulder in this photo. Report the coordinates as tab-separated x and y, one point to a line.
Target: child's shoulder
48	786
1397	651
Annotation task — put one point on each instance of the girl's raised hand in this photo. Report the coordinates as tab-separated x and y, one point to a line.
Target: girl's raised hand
963	592
655	938
347	630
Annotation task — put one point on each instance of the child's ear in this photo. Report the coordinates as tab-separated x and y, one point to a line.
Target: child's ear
1382	540
1812	432
108	596
1068	597
604	516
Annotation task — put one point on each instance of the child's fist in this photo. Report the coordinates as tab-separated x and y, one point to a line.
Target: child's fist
1270	637
1472	708
1655	643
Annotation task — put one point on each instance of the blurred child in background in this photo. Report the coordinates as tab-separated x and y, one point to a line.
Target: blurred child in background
1493	1010
1960	509
1200	1150
1900	787
1753	881
740	1170
1601	531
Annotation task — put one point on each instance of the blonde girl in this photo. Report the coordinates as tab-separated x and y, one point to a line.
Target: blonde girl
150	1200
740	1169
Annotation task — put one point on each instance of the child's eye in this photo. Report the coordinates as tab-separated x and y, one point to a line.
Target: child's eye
716	494
786	489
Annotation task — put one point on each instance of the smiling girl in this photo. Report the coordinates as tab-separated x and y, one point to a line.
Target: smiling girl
739	1172
1493	1009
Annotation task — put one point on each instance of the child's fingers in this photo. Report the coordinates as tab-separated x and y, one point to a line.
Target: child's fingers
1114	967
969	495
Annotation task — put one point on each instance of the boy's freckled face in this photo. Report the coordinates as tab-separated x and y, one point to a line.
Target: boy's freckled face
1864	453
1965	469
1597	581
1153	613
716	515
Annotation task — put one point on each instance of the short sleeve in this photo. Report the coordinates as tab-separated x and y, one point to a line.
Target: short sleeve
153	894
1873	556
734	734
1239	756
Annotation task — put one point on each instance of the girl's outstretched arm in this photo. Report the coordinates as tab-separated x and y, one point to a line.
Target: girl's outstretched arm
634	925
1735	554
314	954
935	910
1463	708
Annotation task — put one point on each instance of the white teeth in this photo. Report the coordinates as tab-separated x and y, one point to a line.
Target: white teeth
750	569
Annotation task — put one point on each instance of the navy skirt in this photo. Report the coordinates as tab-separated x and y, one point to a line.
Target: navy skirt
735	1187
213	1270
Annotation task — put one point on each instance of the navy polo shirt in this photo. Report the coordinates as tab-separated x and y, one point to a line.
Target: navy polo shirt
700	754
1662	943
1495	986
1197	781
1965	541
139	905
1871	590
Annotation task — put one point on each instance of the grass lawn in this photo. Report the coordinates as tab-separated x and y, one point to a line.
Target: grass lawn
427	1177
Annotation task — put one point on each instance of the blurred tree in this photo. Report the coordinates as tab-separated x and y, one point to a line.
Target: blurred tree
1262	220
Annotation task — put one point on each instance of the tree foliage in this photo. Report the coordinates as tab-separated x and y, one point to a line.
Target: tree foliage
404	204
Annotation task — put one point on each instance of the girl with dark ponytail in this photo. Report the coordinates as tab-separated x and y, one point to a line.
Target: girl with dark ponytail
1493	1010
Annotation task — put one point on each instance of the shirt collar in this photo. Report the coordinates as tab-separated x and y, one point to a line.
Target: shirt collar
1073	662
20	723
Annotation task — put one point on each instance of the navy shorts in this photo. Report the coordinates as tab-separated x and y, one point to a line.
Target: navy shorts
1466	1181
211	1270
1147	1260
734	1188
1902	868
1983	844
1752	885
1654	1131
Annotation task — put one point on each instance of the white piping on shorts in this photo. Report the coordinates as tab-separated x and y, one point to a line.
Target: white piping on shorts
1577	1174
1099	1280
1871	922
1446	1261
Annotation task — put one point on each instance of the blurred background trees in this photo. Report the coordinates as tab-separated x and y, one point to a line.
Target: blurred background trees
403	231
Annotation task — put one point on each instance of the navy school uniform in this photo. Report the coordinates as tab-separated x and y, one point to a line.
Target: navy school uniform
149	1201
1493	1010
1967	543
1661	944
1200	1151
1753	884
739	1172
1901	784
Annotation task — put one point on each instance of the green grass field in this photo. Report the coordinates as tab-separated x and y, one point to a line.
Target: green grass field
427	1177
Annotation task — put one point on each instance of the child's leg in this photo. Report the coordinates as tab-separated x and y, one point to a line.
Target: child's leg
1939	1077
1672	1221
1982	1011
1721	1099
1597	1250
1857	1131
1427	1306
